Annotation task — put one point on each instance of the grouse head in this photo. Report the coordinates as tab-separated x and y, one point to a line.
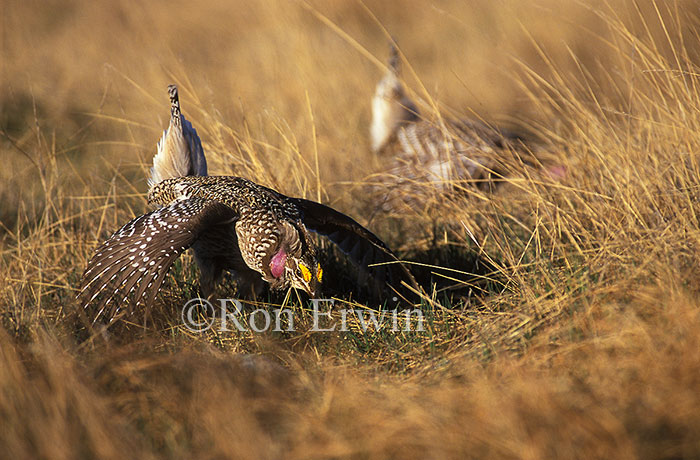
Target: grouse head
293	262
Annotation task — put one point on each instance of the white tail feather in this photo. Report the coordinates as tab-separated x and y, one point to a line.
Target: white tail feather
391	107
180	151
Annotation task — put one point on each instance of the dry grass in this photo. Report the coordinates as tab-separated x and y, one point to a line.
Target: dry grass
586	344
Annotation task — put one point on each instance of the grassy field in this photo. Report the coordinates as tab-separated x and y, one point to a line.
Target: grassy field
581	339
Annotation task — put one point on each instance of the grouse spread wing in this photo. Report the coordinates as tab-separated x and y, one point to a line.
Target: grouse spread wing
137	257
361	245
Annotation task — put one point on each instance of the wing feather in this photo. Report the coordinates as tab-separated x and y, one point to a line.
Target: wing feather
137	257
362	246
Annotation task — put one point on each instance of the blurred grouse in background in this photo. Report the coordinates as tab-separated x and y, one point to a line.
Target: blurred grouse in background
442	153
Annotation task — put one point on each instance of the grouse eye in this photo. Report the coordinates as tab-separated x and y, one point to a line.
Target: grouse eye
319	273
305	273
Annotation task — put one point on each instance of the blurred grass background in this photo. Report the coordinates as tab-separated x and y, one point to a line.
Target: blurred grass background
585	347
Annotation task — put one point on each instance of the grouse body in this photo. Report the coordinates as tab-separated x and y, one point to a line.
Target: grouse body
232	224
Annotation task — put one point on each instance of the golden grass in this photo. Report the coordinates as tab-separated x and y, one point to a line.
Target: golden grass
585	343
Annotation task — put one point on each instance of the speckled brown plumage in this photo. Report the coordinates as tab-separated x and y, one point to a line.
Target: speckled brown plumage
271	240
231	223
440	153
